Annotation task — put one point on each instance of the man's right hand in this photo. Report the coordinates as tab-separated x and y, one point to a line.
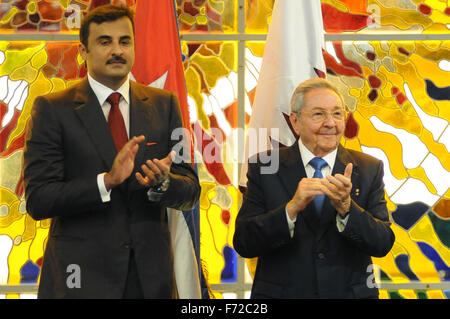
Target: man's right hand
123	164
306	190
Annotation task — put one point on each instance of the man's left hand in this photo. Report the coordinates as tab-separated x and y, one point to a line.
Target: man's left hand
338	188
155	171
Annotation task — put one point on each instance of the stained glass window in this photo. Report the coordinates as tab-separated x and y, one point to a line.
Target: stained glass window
399	114
396	90
211	78
43	16
207	16
364	16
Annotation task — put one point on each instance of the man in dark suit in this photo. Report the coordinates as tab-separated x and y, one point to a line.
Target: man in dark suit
88	166
315	227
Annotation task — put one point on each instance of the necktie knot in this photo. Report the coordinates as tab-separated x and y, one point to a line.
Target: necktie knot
318	163
113	99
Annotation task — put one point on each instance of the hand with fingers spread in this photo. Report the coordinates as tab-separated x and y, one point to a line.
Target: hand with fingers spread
156	171
123	164
338	188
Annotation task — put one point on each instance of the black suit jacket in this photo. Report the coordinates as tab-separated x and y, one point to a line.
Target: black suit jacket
318	261
68	144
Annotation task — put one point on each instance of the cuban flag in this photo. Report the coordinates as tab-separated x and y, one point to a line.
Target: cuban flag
158	63
293	53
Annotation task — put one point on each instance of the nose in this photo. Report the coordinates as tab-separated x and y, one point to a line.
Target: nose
116	49
329	121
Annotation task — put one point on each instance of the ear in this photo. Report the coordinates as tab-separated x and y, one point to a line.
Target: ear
293	118
83	51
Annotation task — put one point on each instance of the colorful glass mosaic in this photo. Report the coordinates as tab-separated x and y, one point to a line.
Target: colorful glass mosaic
66	15
46	15
207	15
211	79
398	97
397	93
364	16
27	70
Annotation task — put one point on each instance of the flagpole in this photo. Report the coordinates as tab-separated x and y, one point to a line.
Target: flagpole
241	94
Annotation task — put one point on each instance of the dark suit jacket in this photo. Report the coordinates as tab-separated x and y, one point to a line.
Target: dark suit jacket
318	262
68	144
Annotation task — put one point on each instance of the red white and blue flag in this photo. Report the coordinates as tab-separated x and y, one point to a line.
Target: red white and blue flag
158	63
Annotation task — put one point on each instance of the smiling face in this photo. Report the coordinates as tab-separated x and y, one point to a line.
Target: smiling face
320	137
109	54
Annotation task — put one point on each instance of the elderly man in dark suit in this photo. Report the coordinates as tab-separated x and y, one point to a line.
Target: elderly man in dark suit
88	166
316	222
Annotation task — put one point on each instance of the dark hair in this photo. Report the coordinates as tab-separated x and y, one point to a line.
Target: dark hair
102	14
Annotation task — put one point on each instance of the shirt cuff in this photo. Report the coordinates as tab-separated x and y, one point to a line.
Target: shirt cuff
291	223
104	194
341	222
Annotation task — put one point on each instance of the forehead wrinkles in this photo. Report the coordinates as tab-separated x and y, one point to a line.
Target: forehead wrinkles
323	99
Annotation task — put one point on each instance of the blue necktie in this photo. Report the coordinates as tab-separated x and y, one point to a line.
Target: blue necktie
318	163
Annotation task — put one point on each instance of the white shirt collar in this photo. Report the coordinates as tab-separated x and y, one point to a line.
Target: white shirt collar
102	92
307	155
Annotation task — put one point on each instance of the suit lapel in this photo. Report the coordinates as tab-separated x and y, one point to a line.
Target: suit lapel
90	113
342	159
144	120
291	168
139	124
291	172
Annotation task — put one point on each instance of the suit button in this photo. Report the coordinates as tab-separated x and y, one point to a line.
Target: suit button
321	256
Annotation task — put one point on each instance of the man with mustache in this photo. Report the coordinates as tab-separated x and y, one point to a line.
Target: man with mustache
315	223
98	160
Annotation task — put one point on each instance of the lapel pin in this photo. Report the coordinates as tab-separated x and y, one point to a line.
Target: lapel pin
357	192
150	144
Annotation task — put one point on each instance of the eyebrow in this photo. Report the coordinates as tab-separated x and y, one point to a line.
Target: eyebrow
319	108
107	37
125	37
103	37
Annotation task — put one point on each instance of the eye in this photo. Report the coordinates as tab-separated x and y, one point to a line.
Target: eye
338	114
318	116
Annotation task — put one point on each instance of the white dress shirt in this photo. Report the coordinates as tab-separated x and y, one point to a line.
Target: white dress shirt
307	156
102	92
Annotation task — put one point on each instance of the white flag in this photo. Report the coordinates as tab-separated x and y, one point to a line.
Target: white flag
293	53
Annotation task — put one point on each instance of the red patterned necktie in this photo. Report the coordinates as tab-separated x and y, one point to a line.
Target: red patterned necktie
116	123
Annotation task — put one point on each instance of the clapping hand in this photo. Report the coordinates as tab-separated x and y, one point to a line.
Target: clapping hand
156	171
338	188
